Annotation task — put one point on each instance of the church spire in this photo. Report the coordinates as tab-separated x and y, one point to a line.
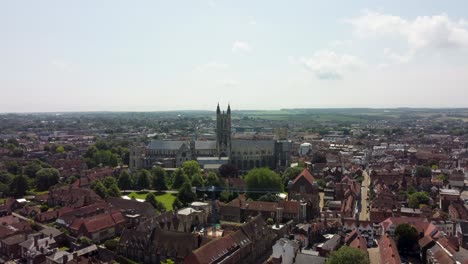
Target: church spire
229	109
218	111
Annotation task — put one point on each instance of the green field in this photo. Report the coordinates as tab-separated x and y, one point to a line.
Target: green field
166	198
138	195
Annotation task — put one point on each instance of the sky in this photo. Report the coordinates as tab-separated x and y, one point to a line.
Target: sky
115	55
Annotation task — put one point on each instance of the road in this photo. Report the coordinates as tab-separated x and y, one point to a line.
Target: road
364	214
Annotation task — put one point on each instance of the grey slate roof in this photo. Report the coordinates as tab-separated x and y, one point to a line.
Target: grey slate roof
165	144
250	144
205	144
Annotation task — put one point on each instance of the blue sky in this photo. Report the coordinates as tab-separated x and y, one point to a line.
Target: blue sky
167	55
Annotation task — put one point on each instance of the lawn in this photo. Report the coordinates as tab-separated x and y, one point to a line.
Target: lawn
138	195
166	198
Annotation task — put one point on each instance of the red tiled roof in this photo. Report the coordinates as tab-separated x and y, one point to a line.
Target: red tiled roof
388	251
100	222
290	207
213	250
306	174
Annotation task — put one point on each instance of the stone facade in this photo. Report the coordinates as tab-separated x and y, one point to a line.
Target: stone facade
244	154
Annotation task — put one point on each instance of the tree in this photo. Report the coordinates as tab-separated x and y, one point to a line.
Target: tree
19	186
212	180
111	244
151	199
418	198
226	196
423	172
159	178
109	181
113	191
197	180
321	183
270	221
46	177
191	168
99	189
292	172
125	181
6	177
406	237
32	168
185	194
12	166
179	178
177	204
442	177
263	179
228	170
318	157
143	179
60	149
269	197
348	255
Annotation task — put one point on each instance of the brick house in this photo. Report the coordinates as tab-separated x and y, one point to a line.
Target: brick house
304	188
100	227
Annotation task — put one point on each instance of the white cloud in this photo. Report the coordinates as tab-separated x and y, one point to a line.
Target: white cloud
398	58
213	65
326	64
241	46
434	32
252	21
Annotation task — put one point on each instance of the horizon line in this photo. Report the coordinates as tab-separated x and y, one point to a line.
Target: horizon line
235	110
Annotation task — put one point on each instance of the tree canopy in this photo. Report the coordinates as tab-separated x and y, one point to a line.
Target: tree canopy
263	179
179	177
159	178
423	172
151	199
125	181
19	186
406	237
143	180
185	194
348	255
228	170
191	168
212	180
418	198
318	157
46	177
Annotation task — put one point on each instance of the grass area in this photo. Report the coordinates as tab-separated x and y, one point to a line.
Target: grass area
64	248
35	192
167	199
138	195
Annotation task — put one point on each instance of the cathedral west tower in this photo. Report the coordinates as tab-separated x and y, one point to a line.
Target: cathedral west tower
223	132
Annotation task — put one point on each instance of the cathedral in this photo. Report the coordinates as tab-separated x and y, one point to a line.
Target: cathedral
245	154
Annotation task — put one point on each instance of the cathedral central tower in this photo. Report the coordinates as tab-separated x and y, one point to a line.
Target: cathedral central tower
223	132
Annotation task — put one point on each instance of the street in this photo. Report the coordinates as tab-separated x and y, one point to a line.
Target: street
364	214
